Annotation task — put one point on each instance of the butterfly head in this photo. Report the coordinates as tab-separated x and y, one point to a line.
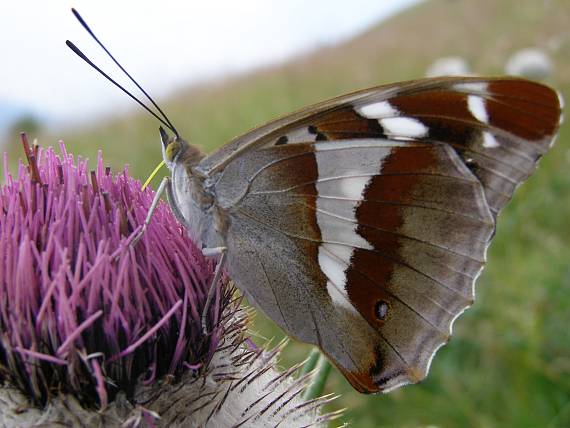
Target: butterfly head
175	150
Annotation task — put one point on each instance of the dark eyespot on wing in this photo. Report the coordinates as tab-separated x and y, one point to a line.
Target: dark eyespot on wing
381	309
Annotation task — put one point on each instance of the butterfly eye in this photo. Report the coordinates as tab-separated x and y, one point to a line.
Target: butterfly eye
381	310
172	150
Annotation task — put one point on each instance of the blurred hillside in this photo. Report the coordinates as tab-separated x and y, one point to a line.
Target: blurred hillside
509	361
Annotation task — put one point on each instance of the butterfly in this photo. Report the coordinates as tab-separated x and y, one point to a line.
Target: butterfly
360	224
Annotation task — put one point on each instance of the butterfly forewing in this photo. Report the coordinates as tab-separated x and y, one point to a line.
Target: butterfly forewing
360	224
500	127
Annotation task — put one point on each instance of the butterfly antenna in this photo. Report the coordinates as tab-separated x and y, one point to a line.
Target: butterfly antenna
82	56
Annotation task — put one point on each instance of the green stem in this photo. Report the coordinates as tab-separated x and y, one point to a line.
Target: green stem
322	373
311	362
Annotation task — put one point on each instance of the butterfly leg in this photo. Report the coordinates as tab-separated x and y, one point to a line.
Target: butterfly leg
210	252
163	185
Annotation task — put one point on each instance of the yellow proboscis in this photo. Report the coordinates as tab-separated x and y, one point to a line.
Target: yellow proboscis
152	174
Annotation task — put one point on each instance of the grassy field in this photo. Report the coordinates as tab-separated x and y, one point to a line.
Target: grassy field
508	364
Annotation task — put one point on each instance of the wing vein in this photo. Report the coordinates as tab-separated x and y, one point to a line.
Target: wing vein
348	220
376	251
385	202
392	174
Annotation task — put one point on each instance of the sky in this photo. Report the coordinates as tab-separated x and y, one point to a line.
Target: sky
163	44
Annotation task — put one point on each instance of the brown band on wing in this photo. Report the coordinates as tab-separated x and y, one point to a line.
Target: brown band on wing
530	110
346	124
287	166
435	103
410	190
298	168
417	160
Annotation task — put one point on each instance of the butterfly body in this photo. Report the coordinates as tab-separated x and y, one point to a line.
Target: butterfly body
361	224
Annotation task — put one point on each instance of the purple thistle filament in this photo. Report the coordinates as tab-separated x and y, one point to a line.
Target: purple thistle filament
81	310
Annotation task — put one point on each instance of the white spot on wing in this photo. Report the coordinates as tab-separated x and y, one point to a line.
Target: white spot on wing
342	253
476	106
353	187
489	141
332	268
477	87
404	127
377	110
338	297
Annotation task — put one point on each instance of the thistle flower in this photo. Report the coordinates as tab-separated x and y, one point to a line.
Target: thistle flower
99	332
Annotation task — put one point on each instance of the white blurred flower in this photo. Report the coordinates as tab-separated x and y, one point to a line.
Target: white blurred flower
532	63
449	66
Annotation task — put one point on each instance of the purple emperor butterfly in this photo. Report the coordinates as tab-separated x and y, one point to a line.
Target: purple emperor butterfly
360	224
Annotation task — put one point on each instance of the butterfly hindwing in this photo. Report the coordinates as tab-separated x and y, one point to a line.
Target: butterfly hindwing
319	259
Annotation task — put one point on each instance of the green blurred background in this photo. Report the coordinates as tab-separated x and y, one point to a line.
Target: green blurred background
508	364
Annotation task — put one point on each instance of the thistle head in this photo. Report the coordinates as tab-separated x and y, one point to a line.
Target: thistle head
82	311
94	328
